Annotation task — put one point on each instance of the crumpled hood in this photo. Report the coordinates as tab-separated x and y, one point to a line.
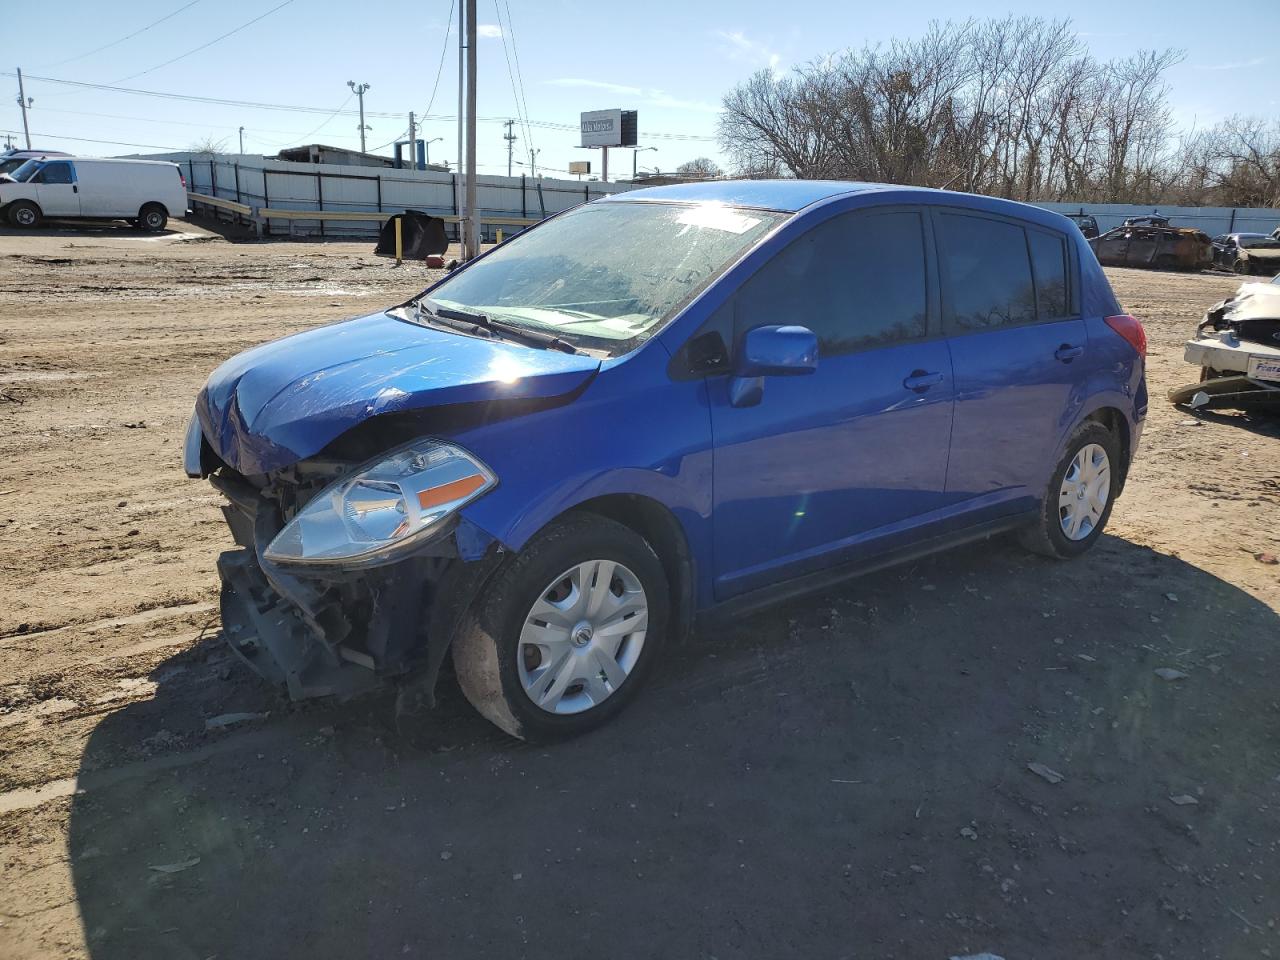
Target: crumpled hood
287	400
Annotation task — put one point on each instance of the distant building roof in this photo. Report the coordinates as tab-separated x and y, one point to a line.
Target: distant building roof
322	153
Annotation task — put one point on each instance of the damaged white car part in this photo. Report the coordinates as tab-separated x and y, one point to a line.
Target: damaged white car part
383	507
1237	347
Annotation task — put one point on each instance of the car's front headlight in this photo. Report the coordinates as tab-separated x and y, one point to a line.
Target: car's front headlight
401	499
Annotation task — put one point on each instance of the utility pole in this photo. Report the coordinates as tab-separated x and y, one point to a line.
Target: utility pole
413	143
359	90
24	102
511	139
473	214
462	93
533	161
242	140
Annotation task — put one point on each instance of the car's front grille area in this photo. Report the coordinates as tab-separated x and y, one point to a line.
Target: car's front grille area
1259	331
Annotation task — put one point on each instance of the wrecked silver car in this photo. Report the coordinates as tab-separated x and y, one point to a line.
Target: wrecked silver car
1237	347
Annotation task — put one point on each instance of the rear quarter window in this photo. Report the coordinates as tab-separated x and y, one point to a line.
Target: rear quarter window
1049	269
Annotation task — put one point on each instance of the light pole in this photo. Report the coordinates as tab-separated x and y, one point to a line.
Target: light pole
242	141
636	151
359	90
426	149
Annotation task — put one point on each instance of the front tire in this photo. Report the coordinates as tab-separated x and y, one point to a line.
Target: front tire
25	215
1080	496
566	633
1241	267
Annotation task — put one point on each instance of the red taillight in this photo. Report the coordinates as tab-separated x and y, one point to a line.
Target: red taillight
183	177
1129	328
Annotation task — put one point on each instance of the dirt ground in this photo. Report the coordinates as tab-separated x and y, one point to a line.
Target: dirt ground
845	776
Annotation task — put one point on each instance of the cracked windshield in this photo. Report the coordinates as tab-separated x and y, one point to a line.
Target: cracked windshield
606	273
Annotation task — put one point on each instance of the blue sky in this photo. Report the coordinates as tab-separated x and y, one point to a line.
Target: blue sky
671	61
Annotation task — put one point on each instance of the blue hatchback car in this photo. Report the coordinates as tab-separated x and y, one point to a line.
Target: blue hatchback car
650	408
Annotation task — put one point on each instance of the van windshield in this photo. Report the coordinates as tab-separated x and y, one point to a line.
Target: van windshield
25	171
606	274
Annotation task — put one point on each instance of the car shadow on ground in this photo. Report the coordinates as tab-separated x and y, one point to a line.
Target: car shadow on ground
85	228
846	775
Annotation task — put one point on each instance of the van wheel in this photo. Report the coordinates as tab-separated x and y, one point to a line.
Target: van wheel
1081	493
565	635
152	218
25	214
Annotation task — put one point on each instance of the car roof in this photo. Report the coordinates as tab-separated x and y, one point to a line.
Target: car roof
785	195
791	196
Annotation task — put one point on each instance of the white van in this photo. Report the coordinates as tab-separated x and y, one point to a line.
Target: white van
144	192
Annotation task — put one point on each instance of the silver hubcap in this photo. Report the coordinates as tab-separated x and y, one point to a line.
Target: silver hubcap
583	637
26	217
1084	492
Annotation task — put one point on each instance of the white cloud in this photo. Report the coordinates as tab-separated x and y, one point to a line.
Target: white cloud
617	88
737	46
489	31
636	96
1235	65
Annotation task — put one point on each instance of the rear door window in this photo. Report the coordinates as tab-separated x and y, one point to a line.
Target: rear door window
986	273
857	281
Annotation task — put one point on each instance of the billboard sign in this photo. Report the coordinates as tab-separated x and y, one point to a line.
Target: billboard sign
579	166
608	128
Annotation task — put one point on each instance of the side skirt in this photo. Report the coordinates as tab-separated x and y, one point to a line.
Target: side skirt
822	579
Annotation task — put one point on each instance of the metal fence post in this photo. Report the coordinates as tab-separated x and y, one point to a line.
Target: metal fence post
379	179
266	202
213	183
320	198
236	167
524	207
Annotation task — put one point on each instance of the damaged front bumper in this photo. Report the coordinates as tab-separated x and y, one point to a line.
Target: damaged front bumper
1236	373
325	630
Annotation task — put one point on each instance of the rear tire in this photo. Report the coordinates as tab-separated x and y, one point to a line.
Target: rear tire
25	215
1075	509
1241	267
152	218
596	656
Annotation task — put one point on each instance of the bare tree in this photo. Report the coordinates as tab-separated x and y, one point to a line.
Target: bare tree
1013	106
701	167
208	145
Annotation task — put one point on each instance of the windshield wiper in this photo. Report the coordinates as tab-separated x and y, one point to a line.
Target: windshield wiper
494	325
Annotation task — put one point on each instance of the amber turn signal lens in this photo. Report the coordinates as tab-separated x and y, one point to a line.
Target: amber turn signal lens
448	492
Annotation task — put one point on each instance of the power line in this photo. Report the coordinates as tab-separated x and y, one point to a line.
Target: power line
179	123
258	105
444	50
520	76
106	46
325	123
204	46
515	96
112	143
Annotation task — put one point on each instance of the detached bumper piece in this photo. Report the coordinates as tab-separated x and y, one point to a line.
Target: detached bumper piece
1228	393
